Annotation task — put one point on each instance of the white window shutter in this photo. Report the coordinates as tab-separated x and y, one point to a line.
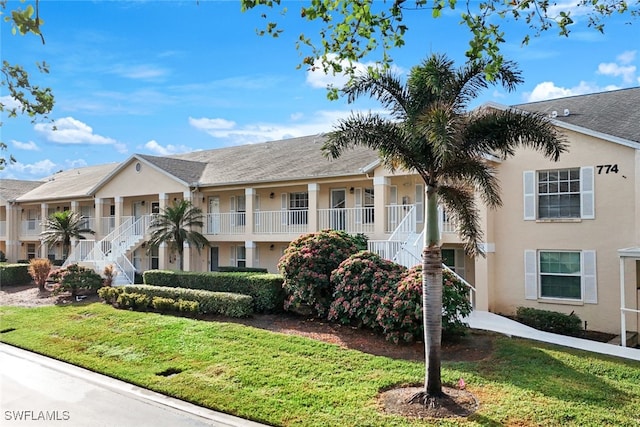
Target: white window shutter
587	199
358	205
459	257
256	257
419	203
529	187
232	258
284	206
256	209
232	204
530	274
589	277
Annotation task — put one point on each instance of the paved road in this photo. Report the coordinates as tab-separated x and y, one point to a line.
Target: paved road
38	391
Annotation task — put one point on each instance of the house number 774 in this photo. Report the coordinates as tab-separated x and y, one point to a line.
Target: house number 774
607	169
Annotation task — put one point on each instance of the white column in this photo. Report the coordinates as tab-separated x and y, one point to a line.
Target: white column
163	250
312	215
98	212
13	232
380	185
44	211
250	248
249	196
119	207
188	264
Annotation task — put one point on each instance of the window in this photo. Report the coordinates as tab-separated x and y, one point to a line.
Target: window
155	208
368	206
154	253
31	250
299	207
239	207
559	194
561	274
238	256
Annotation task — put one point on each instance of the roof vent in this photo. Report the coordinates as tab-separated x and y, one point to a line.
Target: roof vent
554	114
566	112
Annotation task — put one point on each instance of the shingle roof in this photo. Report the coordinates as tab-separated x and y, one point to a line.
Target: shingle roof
290	159
186	170
10	189
74	183
615	113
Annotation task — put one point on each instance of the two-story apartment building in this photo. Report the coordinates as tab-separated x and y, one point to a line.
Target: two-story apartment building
566	238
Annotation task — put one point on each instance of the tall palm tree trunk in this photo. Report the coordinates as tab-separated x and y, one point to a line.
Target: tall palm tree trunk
432	297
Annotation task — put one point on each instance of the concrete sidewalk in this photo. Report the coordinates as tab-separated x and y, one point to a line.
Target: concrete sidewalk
493	322
40	391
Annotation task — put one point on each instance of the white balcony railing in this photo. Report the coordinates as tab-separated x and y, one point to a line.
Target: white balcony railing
351	220
31	227
225	223
107	225
282	222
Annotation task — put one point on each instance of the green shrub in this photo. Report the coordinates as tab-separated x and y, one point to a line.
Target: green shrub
134	301
233	269
550	321
307	265
188	307
164	304
225	303
400	313
75	277
265	289
14	275
110	294
360	282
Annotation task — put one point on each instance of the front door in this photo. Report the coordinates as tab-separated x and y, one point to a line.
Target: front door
338	205
213	220
213	258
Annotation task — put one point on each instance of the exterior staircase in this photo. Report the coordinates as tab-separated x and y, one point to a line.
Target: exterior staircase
112	249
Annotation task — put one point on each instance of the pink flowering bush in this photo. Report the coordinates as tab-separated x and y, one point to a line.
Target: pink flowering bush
307	265
361	282
400	312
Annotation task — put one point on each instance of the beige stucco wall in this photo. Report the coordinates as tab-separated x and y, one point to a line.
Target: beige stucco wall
614	227
129	182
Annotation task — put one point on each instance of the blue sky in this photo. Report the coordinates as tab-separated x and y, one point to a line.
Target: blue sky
164	77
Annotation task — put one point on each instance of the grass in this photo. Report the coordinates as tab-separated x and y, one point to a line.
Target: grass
286	380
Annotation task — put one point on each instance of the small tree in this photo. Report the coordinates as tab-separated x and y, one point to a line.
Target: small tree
39	269
74	278
109	274
177	225
63	226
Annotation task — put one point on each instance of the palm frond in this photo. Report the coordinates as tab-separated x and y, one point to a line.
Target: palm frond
460	205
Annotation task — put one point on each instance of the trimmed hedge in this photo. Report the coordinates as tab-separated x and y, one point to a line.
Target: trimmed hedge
232	269
265	289
14	274
225	303
550	321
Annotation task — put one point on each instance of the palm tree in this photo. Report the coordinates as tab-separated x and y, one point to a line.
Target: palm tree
62	227
429	130
175	225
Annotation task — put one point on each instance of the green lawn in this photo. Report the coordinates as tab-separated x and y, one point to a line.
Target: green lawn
285	380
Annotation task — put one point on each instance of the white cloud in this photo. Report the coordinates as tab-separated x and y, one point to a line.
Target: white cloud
166	150
612	69
71	131
211	124
548	90
317	77
252	133
77	163
139	72
9	102
35	170
28	146
627	57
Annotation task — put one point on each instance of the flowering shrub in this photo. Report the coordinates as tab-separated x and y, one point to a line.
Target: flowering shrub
360	283
307	265
400	313
75	277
